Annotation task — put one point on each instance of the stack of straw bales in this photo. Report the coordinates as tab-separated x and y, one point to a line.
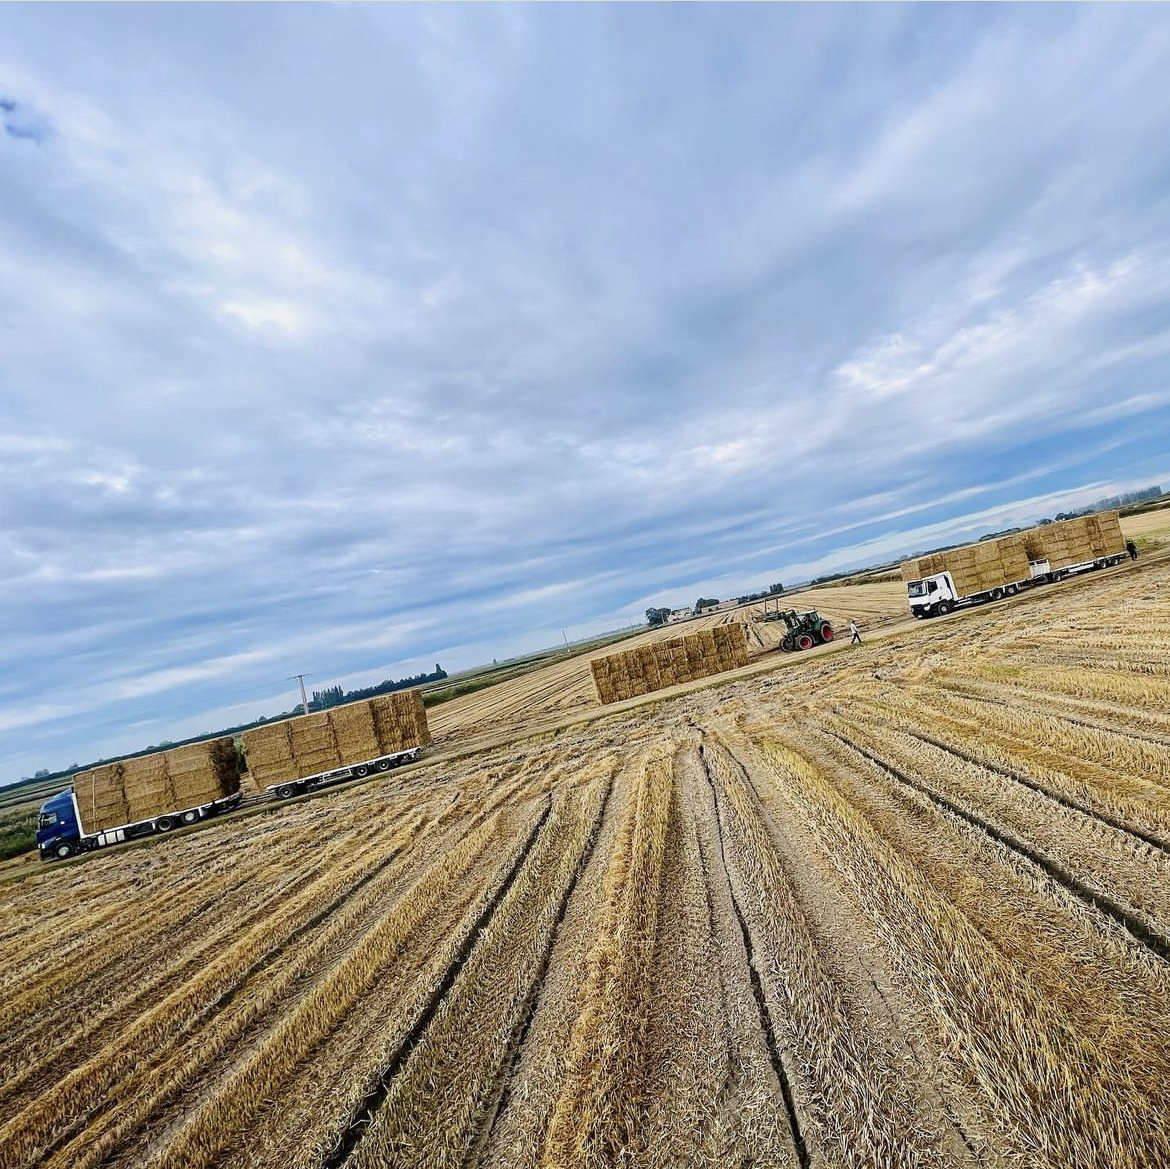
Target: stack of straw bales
315	743
668	663
976	568
170	781
1077	540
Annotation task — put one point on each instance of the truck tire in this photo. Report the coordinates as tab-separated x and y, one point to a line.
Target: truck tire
286	791
164	824
64	850
385	764
997	594
943	608
190	816
362	769
1011	590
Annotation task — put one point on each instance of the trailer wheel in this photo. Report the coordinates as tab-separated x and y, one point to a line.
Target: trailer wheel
805	641
190	816
362	769
1011	590
385	764
286	791
944	607
996	594
63	851
164	824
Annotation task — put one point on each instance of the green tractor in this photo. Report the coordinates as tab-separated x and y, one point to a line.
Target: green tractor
804	630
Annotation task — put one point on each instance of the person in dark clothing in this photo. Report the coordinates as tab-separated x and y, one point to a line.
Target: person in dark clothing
1131	548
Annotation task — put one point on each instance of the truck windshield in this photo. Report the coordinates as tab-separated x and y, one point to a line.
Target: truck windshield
46	819
916	588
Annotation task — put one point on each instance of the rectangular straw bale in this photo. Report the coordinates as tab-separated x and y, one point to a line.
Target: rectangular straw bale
203	772
147	783
355	732
269	754
401	721
101	797
314	748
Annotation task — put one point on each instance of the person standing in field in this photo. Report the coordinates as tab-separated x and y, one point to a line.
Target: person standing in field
1131	548
853	629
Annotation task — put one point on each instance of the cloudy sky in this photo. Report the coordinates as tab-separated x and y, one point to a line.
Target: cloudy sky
348	339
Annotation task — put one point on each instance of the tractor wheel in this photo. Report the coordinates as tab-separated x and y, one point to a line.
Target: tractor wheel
826	631
805	641
787	644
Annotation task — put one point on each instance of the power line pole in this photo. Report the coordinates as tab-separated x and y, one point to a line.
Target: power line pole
304	697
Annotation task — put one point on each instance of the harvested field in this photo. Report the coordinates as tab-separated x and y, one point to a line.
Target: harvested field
902	904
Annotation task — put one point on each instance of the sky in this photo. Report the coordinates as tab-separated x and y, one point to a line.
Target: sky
350	339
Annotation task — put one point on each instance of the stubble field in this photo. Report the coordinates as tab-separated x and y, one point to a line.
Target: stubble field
905	904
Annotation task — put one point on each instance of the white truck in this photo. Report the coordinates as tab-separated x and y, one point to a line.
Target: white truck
940	582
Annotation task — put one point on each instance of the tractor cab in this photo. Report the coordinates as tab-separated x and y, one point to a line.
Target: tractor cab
804	630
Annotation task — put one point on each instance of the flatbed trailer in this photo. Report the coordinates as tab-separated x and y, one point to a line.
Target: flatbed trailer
288	788
61	831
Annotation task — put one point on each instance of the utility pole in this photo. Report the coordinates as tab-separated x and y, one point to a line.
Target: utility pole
304	697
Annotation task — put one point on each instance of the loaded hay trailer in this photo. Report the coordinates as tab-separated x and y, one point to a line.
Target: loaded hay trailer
316	750
991	569
143	796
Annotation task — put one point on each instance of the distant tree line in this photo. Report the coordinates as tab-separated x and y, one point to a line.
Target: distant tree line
772	590
335	696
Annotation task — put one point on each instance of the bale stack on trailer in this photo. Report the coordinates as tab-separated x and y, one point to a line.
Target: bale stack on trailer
670	662
313	744
975	568
133	790
1079	540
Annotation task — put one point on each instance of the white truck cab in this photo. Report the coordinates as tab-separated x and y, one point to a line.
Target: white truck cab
935	596
932	595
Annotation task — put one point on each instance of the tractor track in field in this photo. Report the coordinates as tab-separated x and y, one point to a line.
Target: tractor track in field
507	1078
359	1123
1114	822
1154	942
775	1056
210	1010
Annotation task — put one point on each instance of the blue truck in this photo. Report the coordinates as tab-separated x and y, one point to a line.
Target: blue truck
61	831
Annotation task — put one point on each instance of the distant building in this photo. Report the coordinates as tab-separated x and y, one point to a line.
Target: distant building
679	615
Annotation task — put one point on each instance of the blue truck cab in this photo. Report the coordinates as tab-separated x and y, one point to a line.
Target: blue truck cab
58	827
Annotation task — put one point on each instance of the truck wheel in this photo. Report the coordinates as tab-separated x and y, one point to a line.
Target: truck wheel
164	824
943	608
996	594
1011	590
805	641
385	764
286	791
190	816
362	769
63	851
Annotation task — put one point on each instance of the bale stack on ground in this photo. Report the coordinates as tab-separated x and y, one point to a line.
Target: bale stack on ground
315	743
646	668
975	568
148	786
